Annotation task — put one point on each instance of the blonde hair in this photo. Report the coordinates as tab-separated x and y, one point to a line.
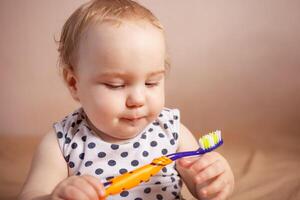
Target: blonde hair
95	11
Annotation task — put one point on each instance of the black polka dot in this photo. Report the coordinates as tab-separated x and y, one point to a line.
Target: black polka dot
71	164
111	163
155	123
124	154
147	190
114	146
73	124
174	193
150	129
74	145
83	138
153	144
122	171
171	121
68	140
164	151
144	136
134	163
175	135
157	183
159	197
145	153
175	117
67	158
124	193
180	183
88	163
59	134
78	121
138	198
91	145
164	169
172	142
164	188
161	135
81	156
175	186
166	126
172	179
98	171
101	154
74	114
78	174
136	145
160	115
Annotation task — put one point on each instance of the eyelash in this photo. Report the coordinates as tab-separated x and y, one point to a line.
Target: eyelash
152	84
114	86
122	86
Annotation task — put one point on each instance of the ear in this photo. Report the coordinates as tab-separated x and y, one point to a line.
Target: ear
71	81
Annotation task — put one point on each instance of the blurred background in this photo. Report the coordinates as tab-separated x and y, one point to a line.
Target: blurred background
235	66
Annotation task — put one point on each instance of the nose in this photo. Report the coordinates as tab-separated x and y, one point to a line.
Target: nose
135	98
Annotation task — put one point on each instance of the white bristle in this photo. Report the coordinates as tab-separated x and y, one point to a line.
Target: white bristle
211	140
201	143
218	132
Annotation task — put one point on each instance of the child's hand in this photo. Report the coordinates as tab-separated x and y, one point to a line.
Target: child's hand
79	187
212	175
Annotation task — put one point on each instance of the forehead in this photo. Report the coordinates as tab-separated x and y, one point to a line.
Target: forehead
129	43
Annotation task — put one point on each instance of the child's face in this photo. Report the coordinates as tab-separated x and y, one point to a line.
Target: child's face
120	77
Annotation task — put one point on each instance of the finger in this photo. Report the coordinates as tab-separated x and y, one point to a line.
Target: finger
187	162
204	162
224	194
97	185
72	192
210	172
83	185
215	186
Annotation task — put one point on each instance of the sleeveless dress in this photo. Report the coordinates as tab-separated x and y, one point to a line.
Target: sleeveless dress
87	154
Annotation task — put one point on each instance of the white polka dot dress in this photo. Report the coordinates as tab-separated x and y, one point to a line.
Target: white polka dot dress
86	153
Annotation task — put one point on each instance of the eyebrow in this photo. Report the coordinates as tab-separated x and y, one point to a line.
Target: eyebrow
121	74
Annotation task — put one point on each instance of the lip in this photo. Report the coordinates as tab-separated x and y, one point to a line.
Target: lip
132	119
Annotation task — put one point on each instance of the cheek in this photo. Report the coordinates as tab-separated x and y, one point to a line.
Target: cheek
105	101
157	101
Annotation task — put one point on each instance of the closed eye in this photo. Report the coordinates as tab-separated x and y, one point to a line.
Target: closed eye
151	84
114	86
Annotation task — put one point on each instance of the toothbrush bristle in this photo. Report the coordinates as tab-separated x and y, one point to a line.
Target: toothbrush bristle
210	140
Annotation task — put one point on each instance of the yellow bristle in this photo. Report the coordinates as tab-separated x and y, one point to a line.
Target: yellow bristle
216	139
210	140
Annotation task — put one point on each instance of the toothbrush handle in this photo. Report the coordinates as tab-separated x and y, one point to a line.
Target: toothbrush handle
133	178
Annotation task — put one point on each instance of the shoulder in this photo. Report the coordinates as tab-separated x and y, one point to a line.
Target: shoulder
48	155
47	164
187	141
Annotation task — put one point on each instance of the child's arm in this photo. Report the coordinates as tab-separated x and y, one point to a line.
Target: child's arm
208	176
48	176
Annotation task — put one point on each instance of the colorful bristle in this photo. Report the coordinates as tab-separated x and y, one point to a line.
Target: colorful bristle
210	140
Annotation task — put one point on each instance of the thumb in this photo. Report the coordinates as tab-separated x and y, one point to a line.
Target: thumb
187	162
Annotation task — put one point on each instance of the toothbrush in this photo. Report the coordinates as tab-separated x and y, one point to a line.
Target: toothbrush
133	178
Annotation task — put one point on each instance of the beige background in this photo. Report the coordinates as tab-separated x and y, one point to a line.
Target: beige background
235	64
